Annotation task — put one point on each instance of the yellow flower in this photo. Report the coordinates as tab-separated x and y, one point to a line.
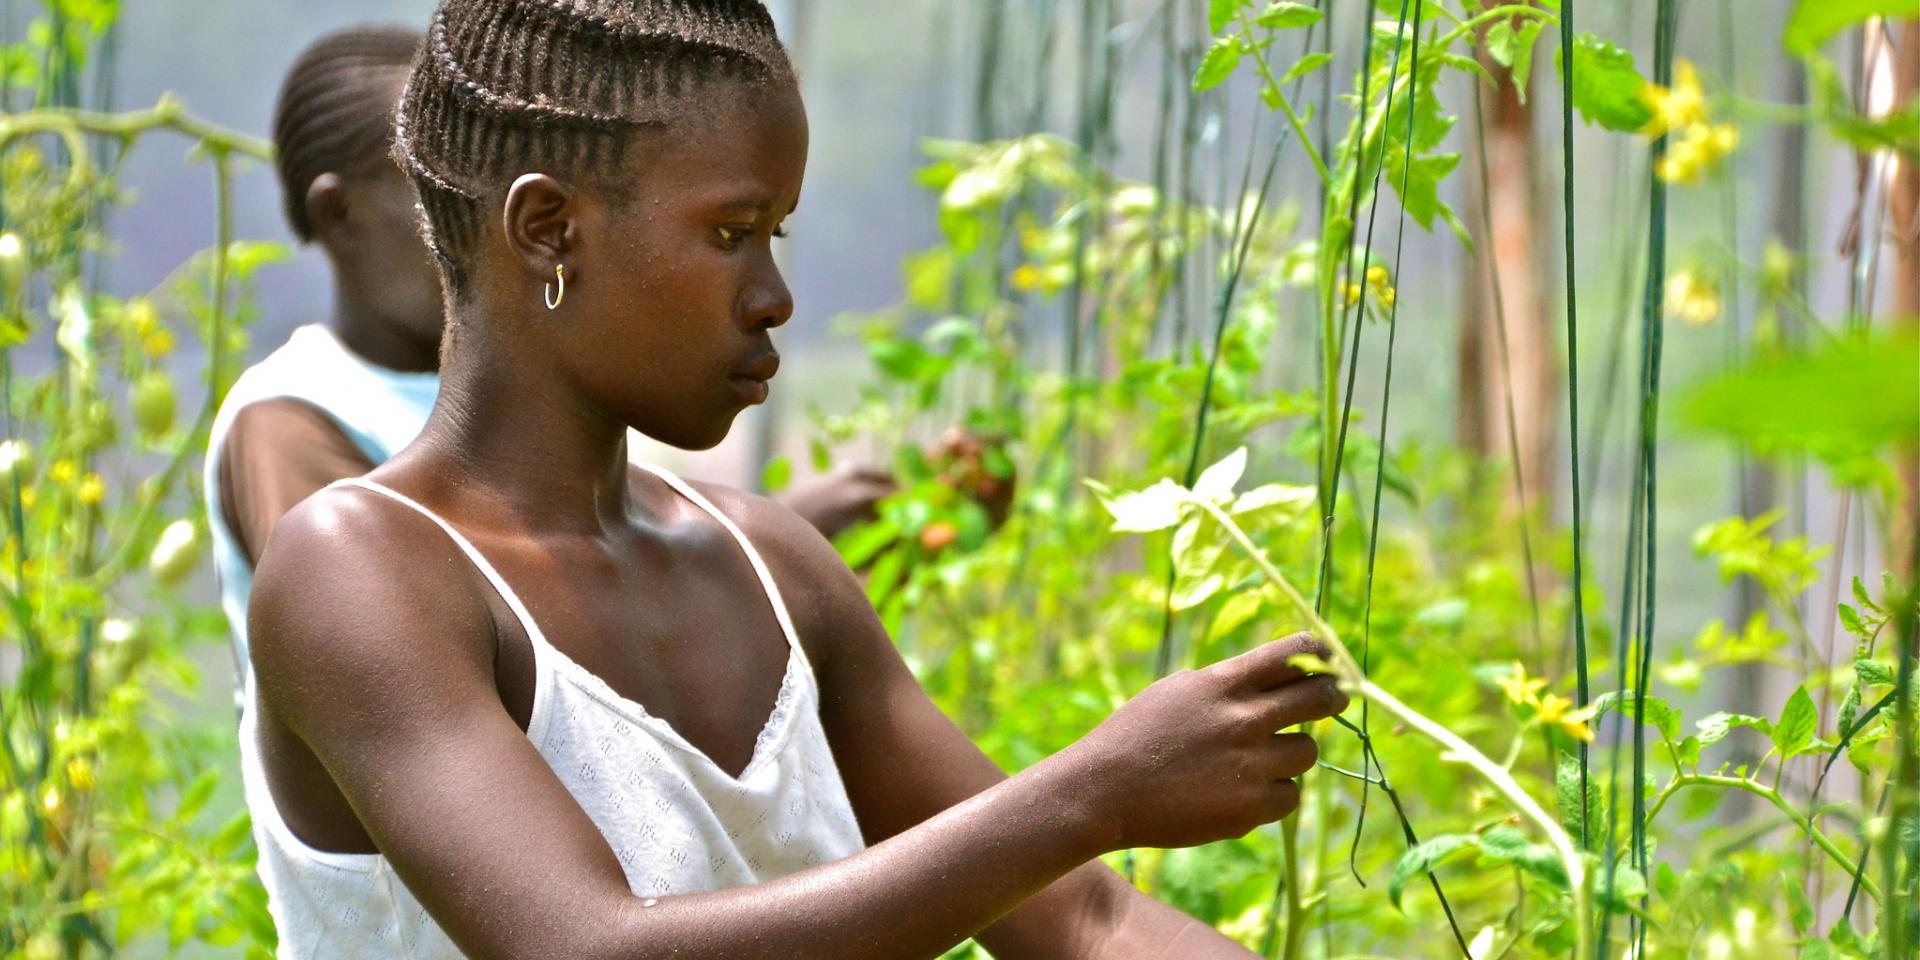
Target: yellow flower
1520	688
1554	712
1377	277
1699	151
1722	138
62	472
28	497
1682	106
50	800
141	318
1026	277
80	774
1693	297
1387	297
1349	293
92	489
157	344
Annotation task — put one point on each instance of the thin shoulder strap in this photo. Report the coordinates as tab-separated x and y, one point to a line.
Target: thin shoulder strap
466	546
746	546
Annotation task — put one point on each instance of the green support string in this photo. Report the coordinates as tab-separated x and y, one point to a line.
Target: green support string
1582	688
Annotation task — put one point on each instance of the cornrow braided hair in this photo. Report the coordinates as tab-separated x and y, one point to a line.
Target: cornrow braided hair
506	87
335	110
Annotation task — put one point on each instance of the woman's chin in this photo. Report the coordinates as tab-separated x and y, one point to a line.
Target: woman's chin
691	437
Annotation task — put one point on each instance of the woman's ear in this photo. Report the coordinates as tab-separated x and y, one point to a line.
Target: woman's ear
542	222
326	205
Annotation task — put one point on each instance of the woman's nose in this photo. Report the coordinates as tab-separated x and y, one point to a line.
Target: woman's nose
770	304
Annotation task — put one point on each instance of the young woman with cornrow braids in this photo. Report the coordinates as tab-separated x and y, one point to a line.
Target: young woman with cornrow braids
515	698
342	396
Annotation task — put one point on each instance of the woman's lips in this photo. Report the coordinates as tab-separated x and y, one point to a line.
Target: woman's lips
751	390
751	379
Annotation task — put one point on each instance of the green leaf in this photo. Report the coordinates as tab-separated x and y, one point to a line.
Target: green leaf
1239	610
1145	511
1850	619
1606	87
1814	22
777	475
1286	499
1423	859
859	545
1566	789
1523	55
196	796
1799	908
1443	615
1689	751
1503	843
1715	727
1196	565
1661	714
1218	64
1874	673
1860	594
1287	16
1216	483
1627	886
1420	191
1306	65
1221	12
1500	41
1852	396
1797	724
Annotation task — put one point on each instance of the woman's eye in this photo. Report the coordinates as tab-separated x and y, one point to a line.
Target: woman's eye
732	236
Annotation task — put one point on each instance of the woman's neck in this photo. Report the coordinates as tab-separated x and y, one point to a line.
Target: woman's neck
513	433
379	339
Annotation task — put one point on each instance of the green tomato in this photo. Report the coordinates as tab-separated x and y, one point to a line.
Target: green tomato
175	554
152	403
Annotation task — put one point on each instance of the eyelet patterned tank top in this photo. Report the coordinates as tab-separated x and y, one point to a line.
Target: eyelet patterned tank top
678	823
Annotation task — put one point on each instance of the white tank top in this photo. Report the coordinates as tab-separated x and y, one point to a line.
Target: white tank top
676	821
380	410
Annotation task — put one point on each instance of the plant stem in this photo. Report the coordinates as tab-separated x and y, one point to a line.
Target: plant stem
1772	796
1456	749
169	113
1280	100
1296	912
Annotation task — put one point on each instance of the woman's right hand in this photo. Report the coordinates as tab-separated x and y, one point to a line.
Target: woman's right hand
1198	756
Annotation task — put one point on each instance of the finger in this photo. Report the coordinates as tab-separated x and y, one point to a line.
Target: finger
1268	665
1293	754
1283	798
1307	700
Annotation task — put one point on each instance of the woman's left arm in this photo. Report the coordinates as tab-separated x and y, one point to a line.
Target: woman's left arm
903	760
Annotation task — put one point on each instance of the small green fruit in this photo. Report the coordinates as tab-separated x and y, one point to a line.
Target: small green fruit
152	403
175	554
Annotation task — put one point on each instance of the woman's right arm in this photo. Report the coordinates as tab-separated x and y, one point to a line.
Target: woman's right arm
384	669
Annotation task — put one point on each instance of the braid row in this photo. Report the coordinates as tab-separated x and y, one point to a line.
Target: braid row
334	109
506	86
448	67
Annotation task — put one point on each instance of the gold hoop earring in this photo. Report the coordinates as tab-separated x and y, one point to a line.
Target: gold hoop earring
553	301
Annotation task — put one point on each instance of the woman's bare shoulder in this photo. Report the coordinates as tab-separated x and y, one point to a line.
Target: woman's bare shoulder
353	586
